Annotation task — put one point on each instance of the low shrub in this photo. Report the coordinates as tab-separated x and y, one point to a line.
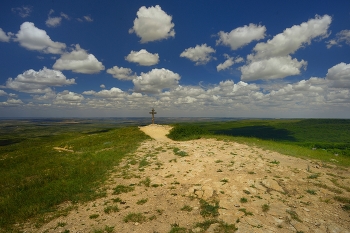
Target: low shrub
186	132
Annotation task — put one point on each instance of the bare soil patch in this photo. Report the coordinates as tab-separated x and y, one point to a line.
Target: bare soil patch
163	186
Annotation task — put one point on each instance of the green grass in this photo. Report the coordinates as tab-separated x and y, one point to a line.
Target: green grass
179	152
224	181
294	215
246	191
146	182
222	226
275	162
209	210
187	208
311	191
246	213
346	207
175	228
106	229
117	200
135	217
335	190
61	224
123	189
206	224
226	228
110	209
160	211
93	216
345	201
342	199
143	162
142	201
335	182
35	178
265	207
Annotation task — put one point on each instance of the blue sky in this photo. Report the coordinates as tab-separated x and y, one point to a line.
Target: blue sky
281	59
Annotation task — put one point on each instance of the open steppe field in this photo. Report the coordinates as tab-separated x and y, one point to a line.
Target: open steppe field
236	176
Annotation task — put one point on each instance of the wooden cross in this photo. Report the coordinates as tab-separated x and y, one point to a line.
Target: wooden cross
153	112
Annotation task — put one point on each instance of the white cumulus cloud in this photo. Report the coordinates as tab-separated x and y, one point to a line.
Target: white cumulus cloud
79	61
338	96
152	24
224	95
228	63
223	66
53	21
14	101
230	89
32	81
2	93
272	68
4	37
340	75
11	103
201	54
33	38
293	38
48	96
114	92
241	36
156	80
68	98
272	60
121	73
143	57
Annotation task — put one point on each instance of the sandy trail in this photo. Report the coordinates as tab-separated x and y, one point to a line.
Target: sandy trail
158	132
298	194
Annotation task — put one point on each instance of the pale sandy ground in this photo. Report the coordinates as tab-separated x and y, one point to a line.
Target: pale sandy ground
221	171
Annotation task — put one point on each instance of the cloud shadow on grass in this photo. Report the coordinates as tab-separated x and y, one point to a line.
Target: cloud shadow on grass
262	132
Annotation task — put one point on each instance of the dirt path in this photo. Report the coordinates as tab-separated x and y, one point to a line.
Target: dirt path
205	183
158	132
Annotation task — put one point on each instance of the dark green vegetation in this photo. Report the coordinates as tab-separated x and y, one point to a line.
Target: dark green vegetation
209	210
324	139
179	152
345	201
221	227
186	132
135	217
123	189
36	178
265	207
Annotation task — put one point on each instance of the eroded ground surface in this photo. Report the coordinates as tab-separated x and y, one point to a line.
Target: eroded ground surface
217	183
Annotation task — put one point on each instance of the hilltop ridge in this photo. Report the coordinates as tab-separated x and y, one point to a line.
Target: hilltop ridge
207	185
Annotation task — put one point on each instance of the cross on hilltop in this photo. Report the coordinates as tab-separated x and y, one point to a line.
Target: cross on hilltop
152	112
